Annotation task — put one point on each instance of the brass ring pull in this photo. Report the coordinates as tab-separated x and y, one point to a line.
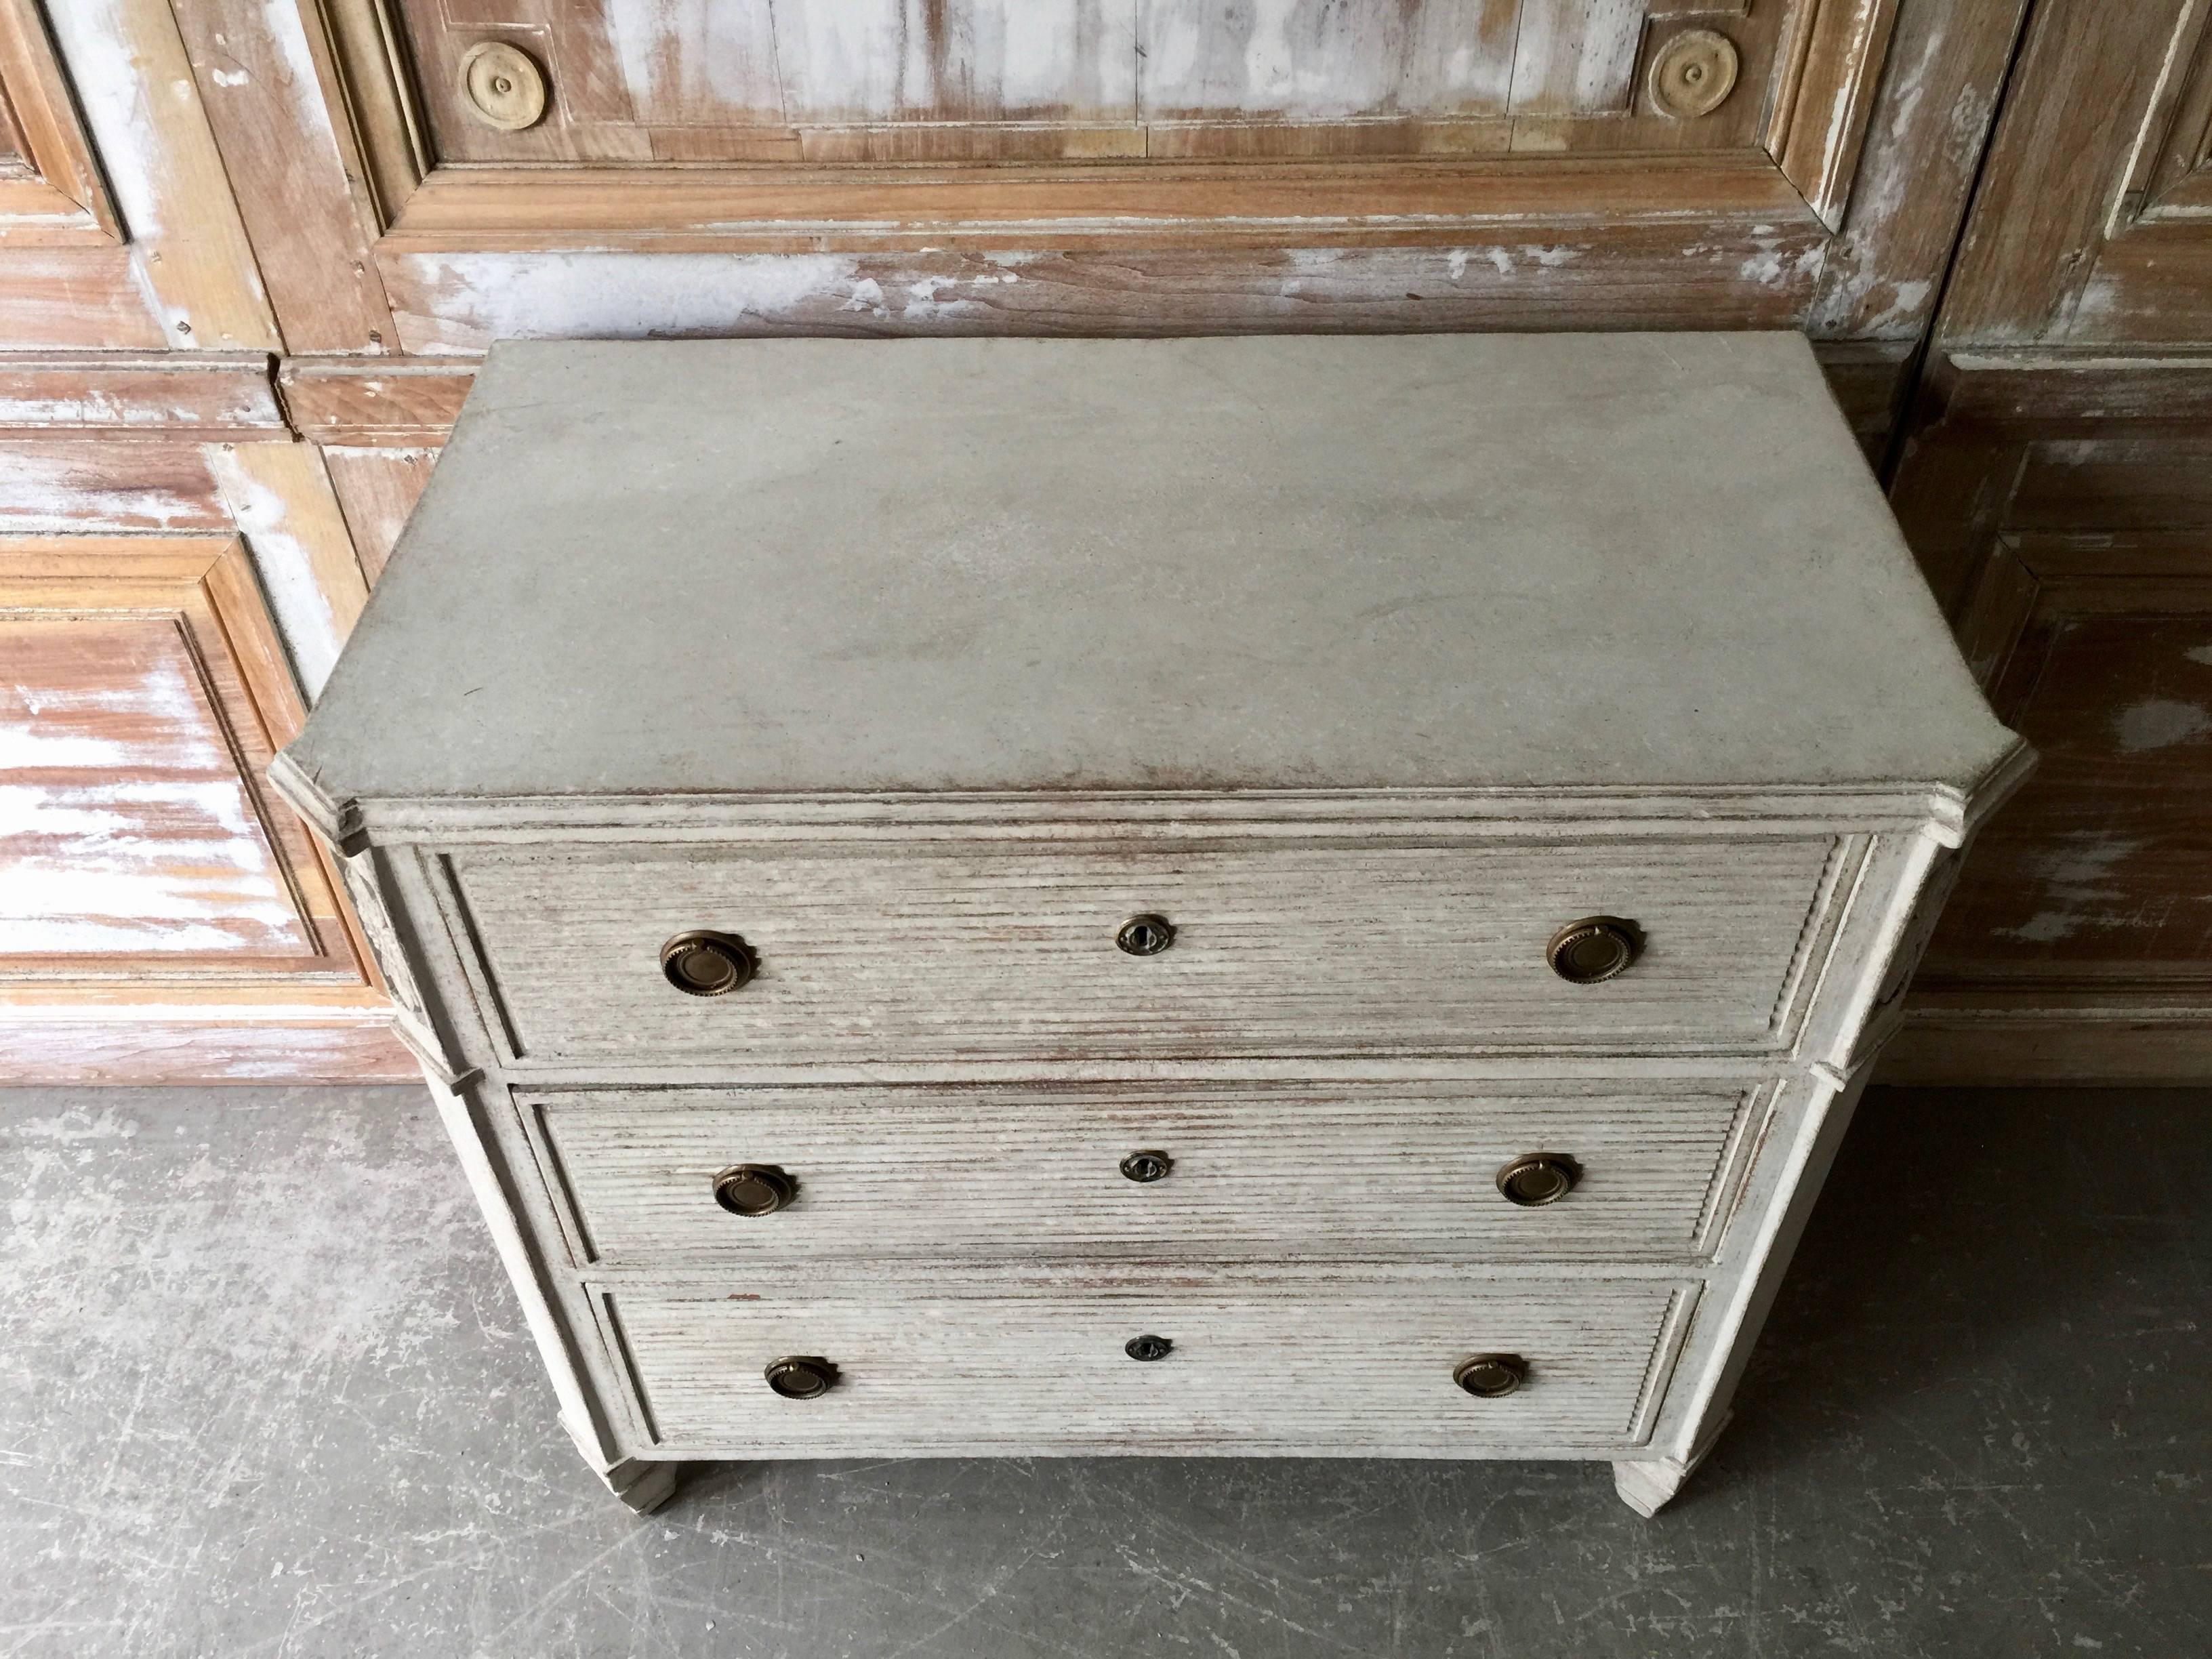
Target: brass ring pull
1538	1178
801	1377
703	964
754	1190
1491	1375
1594	949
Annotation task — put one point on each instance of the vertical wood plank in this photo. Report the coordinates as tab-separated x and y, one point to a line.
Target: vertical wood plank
697	63
2057	169
1304	62
959	60
189	248
1575	57
309	220
1938	97
378	489
281	498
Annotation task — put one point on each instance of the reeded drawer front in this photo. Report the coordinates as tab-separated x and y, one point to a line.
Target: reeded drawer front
1313	1169
1315	1364
977	954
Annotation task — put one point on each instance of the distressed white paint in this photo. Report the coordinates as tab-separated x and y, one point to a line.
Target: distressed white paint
1891	171
123	825
1575	57
483	297
60	491
864	60
287	568
142	109
1313	60
2160	723
687	62
2075	888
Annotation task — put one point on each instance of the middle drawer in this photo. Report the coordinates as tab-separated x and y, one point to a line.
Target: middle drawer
1344	1168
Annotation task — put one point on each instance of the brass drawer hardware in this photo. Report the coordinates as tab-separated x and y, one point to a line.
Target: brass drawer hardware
1146	935
703	964
1538	1178
503	86
754	1190
1491	1375
1148	1347
1693	74
801	1377
1147	1166
1593	950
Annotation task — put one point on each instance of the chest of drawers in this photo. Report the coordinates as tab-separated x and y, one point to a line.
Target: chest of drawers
1277	895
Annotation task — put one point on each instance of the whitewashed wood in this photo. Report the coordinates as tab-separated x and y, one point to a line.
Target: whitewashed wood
1354	1169
1344	1363
1449	58
964	60
1315	951
1574	57
126	827
585	1398
1648	1484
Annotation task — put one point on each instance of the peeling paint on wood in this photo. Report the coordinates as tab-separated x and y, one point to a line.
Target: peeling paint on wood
125	827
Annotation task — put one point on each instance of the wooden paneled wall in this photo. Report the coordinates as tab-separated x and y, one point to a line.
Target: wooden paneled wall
251	249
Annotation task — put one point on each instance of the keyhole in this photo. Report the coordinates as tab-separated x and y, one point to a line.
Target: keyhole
1146	1166
1146	935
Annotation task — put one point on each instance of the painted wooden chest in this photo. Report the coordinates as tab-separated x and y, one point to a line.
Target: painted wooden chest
1304	896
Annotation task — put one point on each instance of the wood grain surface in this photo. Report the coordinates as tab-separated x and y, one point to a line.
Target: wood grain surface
1336	1362
1354	1168
1317	950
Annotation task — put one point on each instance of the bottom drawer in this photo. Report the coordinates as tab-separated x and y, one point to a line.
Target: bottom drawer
1320	1362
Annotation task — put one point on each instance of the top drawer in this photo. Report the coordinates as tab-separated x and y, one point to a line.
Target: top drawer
960	953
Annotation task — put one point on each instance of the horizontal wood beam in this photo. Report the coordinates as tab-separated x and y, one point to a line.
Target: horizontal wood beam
375	402
2026	1045
2045	393
171	396
113	1050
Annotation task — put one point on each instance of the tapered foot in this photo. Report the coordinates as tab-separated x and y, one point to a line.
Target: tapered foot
1646	1484
642	1486
1646	1487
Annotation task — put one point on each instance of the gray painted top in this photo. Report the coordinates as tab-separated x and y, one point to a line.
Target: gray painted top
1434	561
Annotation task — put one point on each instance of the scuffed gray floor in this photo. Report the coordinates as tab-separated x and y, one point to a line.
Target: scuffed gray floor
263	1392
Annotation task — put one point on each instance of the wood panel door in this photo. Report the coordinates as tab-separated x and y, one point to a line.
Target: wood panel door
2093	226
117	225
626	167
2056	484
161	915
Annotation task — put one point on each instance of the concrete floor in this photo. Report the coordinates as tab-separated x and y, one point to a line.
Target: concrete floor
263	1391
